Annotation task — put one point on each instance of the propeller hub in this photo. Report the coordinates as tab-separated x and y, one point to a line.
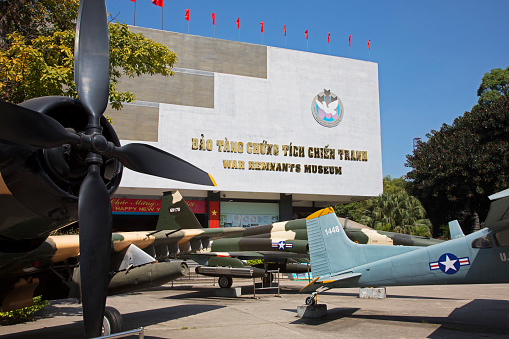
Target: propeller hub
99	143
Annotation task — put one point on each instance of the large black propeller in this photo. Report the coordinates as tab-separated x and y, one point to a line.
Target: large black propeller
26	127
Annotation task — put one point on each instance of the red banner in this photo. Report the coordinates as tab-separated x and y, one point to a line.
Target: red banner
197	206
135	205
151	206
214	214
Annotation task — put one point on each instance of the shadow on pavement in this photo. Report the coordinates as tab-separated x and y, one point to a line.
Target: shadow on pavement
131	321
481	316
332	315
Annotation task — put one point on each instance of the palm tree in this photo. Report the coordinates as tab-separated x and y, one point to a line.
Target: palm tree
397	212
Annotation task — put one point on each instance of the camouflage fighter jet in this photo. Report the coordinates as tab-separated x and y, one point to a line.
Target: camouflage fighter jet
478	258
138	260
281	246
60	161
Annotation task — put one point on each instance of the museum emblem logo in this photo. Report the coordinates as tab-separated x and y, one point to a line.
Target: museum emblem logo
327	109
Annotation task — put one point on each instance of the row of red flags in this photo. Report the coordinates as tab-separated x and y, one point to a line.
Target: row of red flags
187	16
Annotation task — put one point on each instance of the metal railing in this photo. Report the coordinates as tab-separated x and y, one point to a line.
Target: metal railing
271	274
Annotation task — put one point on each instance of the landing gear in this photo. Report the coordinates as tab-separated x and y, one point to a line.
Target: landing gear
112	321
311	300
268	278
225	282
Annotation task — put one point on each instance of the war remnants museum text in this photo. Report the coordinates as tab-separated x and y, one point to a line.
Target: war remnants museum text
275	150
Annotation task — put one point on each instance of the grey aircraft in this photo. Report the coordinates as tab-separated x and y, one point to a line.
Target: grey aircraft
478	258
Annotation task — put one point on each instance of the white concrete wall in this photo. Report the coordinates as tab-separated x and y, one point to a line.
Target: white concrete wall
278	110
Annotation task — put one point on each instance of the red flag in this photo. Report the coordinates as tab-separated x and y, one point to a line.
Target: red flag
131	0
214	19
369	47
306	32
238	23
158	3
350	40
187	15
261	23
284	29
328	38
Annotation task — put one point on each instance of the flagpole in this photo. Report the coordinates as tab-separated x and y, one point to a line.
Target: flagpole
187	26
134	13
162	18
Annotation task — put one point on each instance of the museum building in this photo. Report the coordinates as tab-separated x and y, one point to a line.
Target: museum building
283	132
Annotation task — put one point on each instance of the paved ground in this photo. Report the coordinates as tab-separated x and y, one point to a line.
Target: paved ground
470	311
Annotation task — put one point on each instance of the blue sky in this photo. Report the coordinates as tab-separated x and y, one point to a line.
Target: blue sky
431	54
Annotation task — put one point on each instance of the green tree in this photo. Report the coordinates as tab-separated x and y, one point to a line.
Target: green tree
354	210
33	18
494	85
455	170
395	185
397	212
44	65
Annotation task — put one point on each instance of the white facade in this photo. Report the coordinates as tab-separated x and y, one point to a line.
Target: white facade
278	110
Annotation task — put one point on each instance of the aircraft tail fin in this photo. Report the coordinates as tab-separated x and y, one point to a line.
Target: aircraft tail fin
455	229
330	250
498	216
175	214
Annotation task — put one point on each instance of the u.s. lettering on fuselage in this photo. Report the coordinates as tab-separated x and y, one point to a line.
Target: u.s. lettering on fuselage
504	256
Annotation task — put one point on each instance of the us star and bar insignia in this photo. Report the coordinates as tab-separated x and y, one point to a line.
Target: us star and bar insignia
281	245
449	263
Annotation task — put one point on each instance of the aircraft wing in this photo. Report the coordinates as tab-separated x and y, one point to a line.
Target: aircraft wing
249	255
54	266
325	283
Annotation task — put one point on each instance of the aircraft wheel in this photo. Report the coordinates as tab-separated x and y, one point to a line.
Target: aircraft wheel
112	321
310	300
225	282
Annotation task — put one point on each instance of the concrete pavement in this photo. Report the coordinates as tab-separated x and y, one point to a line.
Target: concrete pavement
185	311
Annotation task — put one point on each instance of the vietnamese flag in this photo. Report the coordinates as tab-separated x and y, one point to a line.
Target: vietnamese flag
238	23
187	15
284	29
328	38
369	47
261	23
213	19
158	3
306	32
350	40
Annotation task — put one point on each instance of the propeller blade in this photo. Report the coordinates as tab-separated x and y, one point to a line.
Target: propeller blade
26	127
91	57
94	211
151	160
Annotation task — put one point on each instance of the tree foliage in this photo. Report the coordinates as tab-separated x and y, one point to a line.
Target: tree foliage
494	85
34	65
455	170
397	212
